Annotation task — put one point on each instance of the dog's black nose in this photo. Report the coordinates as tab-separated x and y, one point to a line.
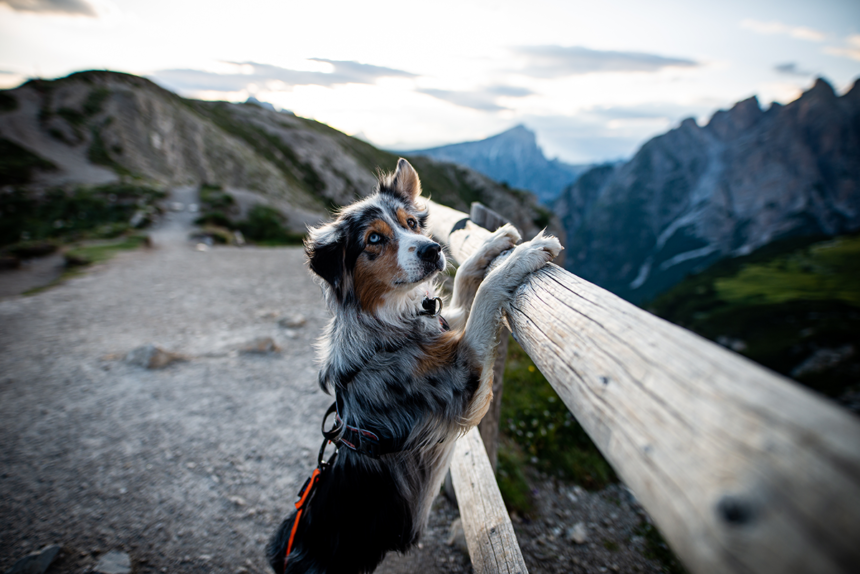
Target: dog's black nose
429	252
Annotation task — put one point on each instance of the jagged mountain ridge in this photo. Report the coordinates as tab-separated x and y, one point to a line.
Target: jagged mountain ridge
512	157
698	194
96	127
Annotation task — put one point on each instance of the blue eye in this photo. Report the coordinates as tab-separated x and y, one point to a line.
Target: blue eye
374	238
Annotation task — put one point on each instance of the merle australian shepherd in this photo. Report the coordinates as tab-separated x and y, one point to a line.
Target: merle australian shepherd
407	381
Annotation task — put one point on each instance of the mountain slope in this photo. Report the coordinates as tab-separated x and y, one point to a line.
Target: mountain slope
793	306
512	157
698	194
98	127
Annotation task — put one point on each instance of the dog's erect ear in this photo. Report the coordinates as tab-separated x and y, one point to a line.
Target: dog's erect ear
325	250
405	181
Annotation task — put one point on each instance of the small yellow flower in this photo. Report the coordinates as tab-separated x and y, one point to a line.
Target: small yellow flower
531	368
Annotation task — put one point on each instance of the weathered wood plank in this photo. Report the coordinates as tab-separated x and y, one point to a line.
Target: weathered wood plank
493	546
742	469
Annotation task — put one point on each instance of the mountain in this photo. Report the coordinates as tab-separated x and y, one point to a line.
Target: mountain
699	194
98	127
512	157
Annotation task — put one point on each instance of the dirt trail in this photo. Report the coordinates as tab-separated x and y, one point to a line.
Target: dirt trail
188	468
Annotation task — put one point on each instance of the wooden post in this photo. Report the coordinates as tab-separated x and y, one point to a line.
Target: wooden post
493	546
742	469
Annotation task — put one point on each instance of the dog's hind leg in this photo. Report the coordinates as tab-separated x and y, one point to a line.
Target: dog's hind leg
492	298
474	268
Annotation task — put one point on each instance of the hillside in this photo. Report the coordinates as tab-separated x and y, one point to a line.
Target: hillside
512	157
93	128
698	194
793	306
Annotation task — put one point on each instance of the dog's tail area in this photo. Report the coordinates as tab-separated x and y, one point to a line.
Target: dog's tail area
276	549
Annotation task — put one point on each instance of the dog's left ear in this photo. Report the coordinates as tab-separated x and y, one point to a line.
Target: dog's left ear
325	250
405	181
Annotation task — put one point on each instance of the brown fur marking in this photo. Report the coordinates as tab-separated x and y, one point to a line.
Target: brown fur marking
374	278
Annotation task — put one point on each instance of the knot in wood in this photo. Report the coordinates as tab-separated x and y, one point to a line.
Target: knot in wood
735	510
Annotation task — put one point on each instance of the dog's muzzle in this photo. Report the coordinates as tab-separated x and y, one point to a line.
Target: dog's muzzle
431	257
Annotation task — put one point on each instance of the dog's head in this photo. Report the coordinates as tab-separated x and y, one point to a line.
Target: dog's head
377	247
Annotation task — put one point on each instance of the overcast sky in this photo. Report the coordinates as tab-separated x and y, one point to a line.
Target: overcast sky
595	80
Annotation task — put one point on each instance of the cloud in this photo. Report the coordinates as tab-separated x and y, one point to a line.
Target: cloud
70	7
852	50
561	61
483	99
247	73
791	69
771	28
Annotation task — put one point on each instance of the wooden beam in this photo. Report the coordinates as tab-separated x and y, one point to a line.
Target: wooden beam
493	546
742	469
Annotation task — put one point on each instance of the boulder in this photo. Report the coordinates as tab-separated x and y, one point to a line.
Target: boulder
114	562
152	357
36	562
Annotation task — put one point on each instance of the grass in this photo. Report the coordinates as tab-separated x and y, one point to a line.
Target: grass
263	225
81	255
18	165
538	431
100	251
779	306
68	216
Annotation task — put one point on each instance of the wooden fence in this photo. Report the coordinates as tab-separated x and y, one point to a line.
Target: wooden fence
742	469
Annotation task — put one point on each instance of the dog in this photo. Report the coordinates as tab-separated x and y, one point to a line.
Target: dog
408	380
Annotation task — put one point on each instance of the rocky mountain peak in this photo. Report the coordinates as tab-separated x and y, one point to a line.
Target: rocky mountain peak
732	123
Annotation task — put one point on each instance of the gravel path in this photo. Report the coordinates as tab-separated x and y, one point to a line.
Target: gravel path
188	468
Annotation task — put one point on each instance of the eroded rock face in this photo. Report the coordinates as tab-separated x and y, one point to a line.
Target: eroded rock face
697	194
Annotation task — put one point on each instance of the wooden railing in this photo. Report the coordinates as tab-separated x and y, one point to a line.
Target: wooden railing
742	470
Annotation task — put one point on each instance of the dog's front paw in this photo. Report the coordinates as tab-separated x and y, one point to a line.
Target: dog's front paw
499	241
533	255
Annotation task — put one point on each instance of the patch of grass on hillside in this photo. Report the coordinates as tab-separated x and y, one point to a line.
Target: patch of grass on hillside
94	212
781	306
541	426
18	164
263	225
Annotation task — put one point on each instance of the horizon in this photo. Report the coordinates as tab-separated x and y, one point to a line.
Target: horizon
593	82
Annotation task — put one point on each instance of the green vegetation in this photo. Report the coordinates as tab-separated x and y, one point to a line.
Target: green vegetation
8	102
538	430
780	306
263	225
538	421
99	251
17	164
84	213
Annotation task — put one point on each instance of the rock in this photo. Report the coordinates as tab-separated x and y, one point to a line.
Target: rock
152	357
292	321
114	562
37	562
260	346
457	536
578	534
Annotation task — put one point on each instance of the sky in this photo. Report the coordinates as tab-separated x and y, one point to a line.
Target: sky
594	80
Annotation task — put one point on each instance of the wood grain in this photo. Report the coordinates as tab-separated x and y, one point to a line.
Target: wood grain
493	546
743	470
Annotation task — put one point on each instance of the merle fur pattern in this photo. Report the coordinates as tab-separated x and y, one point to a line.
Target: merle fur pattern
396	371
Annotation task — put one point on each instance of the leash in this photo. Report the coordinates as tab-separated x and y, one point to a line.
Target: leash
329	436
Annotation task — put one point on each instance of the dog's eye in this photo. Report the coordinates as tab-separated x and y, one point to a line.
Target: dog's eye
374	238
411	223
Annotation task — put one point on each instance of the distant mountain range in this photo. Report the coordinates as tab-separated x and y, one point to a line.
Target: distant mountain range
698	194
99	127
514	158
